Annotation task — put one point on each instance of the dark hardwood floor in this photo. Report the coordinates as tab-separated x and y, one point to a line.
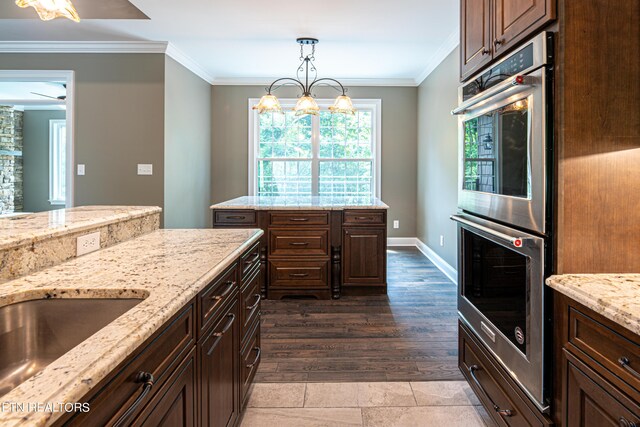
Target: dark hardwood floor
408	335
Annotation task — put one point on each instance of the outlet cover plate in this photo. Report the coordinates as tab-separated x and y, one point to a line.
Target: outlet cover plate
145	169
396	224
88	243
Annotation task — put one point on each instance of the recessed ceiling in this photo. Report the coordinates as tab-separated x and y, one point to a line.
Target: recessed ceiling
254	41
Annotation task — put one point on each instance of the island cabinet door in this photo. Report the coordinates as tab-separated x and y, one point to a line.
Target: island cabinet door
219	371
363	256
175	405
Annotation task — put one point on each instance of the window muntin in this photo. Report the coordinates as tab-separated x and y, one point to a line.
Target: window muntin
330	155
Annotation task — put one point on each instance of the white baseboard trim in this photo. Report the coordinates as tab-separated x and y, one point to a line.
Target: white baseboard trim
442	265
401	241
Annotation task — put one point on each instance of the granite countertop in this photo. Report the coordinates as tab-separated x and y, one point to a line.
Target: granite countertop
20	230
615	296
165	267
302	203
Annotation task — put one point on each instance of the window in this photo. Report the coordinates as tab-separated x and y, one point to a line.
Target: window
57	161
330	155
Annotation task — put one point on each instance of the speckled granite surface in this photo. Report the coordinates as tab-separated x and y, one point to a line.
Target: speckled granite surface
166	267
615	296
36	241
302	203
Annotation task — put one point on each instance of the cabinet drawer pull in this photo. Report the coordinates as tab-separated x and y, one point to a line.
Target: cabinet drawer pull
146	378
623	422
501	412
299	219
227	326
299	243
626	364
255	304
236	217
363	218
253	260
298	274
230	285
258	351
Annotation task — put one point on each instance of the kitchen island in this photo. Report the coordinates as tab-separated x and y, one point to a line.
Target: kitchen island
322	247
188	316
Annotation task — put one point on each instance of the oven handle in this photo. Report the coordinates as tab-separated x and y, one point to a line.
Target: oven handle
515	81
518	242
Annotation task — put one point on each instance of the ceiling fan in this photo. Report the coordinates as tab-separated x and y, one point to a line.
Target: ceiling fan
59	98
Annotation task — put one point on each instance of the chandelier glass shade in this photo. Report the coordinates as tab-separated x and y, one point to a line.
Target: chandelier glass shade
51	9
306	79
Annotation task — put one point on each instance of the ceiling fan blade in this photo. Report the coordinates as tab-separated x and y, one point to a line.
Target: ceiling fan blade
59	98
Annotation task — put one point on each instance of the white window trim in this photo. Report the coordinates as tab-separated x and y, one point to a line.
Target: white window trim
53	130
374	104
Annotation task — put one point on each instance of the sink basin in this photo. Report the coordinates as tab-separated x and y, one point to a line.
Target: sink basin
35	333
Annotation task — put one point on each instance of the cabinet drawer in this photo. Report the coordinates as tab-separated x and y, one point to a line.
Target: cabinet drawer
302	219
363	217
250	260
215	296
249	304
250	360
283	242
299	274
234	217
613	351
159	358
491	387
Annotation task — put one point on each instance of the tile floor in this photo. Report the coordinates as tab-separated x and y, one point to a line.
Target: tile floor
370	404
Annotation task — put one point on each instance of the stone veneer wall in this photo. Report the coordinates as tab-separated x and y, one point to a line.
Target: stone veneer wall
11	164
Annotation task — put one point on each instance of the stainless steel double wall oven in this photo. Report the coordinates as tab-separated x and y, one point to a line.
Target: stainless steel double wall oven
504	211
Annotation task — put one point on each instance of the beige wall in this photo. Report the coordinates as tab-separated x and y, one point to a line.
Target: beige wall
230	141
35	153
187	148
438	158
119	122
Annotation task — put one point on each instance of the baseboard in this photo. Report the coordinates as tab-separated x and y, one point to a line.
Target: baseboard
401	241
442	265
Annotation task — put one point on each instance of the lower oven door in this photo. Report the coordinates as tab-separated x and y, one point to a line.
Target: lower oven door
500	297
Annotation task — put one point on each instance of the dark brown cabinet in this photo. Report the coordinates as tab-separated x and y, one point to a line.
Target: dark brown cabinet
364	257
475	35
197	368
219	373
488	28
317	253
597	374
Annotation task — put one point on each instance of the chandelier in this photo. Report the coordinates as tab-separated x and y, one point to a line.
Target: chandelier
51	9
306	79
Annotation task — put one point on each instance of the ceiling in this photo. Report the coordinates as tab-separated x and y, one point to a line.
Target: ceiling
251	41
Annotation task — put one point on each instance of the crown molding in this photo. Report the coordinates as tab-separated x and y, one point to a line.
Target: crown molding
451	42
186	61
83	47
265	81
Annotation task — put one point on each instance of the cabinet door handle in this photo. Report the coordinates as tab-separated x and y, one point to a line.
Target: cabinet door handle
258	351
623	422
501	412
497	42
255	304
146	378
299	243
298	274
626	364
299	219
485	51
253	260
227	291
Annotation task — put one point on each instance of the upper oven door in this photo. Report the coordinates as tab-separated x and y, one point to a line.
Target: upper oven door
502	151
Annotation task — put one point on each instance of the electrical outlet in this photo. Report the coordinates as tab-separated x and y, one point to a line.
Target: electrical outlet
441	240
87	243
80	169
396	223
145	169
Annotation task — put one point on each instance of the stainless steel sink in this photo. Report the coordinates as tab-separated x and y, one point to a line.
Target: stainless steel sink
35	333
